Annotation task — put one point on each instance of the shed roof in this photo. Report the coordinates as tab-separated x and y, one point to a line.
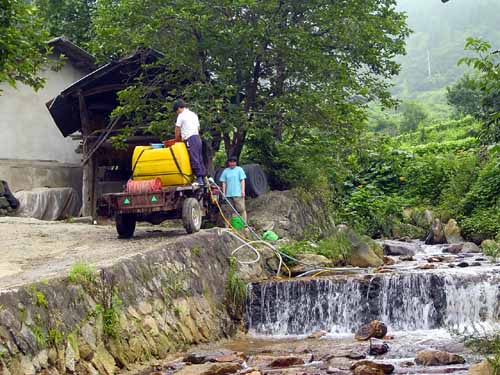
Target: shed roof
99	89
77	55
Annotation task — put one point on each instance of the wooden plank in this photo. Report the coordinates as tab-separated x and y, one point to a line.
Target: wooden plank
88	183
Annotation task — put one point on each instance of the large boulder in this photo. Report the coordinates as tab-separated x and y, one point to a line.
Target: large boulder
481	368
452	232
400	248
431	357
436	235
309	261
371	367
291	214
362	255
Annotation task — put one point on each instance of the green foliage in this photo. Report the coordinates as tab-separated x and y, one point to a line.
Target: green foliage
71	18
82	273
485	190
23	49
488	345
236	289
337	248
222	53
465	97
110	316
482	224
413	114
486	65
491	249
41	300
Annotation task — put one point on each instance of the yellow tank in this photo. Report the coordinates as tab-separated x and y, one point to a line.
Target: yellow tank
170	164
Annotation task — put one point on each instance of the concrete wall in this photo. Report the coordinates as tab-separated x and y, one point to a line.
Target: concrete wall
28	133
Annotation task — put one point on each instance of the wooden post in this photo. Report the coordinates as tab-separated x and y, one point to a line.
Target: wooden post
88	202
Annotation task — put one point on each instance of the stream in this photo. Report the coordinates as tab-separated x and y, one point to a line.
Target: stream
423	306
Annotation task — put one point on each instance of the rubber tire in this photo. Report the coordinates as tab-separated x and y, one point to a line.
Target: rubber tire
14	203
191	215
256	182
125	225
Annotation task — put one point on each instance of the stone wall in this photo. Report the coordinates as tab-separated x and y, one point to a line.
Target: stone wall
133	311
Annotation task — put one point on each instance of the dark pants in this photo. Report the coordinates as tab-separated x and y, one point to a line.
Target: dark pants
194	147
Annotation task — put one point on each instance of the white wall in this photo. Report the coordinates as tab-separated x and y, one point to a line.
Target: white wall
27	130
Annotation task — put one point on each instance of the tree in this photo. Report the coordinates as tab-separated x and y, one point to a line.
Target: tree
486	65
23	49
413	115
278	69
465	96
71	18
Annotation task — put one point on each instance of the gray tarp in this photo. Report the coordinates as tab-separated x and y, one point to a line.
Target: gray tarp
48	203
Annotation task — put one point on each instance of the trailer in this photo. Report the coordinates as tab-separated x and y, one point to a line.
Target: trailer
191	203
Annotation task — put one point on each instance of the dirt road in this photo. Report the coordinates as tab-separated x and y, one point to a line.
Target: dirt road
33	250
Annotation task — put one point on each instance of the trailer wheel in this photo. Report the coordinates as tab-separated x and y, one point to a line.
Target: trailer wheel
191	215
125	225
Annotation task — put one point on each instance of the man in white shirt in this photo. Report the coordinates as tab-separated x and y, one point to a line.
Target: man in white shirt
187	129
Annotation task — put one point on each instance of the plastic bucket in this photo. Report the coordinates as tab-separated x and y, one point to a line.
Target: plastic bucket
237	222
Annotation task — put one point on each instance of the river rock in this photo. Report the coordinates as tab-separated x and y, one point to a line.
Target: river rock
287	361
400	248
452	232
384	368
431	357
406	258
436	235
388	261
375	329
206	356
210	369
362	255
463	264
463	247
378	347
481	368
310	261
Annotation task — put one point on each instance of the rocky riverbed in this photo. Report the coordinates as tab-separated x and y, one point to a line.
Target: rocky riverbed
430	297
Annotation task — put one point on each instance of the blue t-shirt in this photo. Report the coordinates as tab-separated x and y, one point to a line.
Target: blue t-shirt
232	177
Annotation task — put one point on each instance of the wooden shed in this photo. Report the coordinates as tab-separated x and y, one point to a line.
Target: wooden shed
83	110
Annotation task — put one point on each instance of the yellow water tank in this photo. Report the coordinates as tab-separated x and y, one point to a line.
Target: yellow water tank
170	164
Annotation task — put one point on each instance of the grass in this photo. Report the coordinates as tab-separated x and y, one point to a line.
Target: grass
82	273
236	289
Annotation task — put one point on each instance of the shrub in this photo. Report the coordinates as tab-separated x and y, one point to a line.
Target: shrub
482	224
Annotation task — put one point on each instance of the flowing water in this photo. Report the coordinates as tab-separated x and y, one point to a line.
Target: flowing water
409	299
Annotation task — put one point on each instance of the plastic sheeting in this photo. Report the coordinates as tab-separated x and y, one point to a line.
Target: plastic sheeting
48	203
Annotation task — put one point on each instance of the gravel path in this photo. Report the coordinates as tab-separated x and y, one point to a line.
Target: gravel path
33	250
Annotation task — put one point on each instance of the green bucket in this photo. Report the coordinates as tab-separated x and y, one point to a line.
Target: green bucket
269	235
237	222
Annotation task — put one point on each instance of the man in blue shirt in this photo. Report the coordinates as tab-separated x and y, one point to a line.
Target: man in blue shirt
233	186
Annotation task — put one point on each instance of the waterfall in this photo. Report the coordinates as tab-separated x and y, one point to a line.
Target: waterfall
405	301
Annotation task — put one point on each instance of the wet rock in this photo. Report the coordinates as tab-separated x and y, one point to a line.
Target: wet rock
452	232
367	370
206	356
384	368
378	347
288	361
210	369
362	253
427	266
399	248
310	261
406	258
388	261
407	364
463	264
336	371
317	335
475	264
375	329
356	355
481	368
383	270
436	235
430	357
464	247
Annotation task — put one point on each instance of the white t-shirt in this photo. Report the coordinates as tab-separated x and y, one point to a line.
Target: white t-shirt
189	124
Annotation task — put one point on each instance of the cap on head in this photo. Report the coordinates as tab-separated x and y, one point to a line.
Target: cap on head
232	158
179	104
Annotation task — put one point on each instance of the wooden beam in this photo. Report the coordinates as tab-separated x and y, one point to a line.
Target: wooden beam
88	183
104	88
